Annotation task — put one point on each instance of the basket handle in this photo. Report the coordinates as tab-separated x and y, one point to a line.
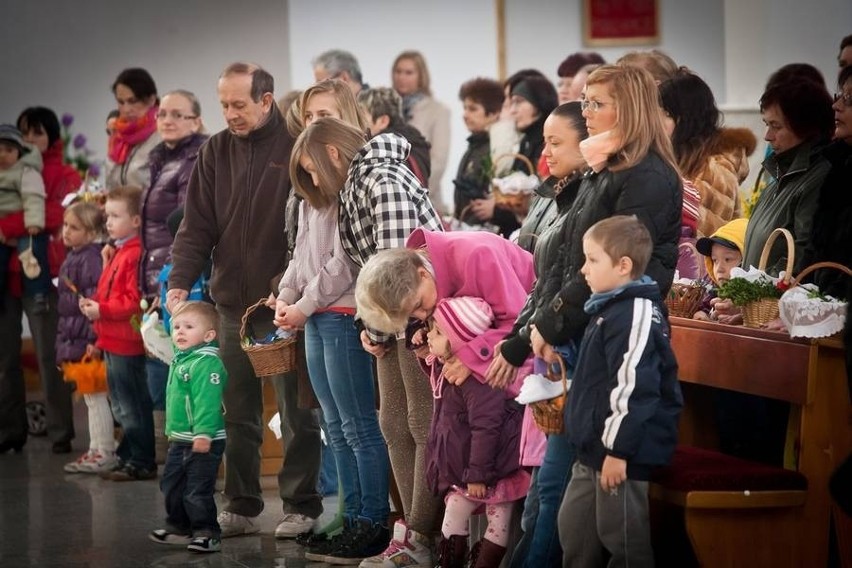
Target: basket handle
562	375
514	156
246	315
816	266
791	251
702	268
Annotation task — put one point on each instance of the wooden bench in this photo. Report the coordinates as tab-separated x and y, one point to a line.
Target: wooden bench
737	513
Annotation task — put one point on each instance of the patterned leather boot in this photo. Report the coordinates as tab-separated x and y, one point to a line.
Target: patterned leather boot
452	552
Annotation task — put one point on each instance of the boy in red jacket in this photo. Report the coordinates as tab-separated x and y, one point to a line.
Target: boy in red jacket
113	309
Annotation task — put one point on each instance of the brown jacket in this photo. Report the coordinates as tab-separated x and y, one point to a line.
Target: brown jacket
719	180
235	209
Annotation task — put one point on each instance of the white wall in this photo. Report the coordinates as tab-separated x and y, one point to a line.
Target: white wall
457	38
66	54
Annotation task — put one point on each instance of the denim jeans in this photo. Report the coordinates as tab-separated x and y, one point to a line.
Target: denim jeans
188	485
158	375
131	405
341	374
539	546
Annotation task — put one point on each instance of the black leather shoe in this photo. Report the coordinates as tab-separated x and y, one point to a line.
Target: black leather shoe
61	447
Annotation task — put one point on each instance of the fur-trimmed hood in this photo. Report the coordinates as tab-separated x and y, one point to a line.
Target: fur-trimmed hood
736	138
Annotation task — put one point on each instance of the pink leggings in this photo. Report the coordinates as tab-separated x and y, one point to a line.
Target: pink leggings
460	508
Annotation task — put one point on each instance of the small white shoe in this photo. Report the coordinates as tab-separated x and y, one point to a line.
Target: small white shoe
76	465
99	462
294	524
233	524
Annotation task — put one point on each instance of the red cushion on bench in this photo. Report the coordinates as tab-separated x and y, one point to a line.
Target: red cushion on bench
697	469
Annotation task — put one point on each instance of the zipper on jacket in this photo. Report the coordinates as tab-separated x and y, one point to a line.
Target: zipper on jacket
247	215
188	405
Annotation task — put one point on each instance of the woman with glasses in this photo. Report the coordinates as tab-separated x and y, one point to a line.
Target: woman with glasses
633	172
135	130
170	163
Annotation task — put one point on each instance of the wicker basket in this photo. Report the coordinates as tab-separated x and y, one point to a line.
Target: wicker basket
549	414
683	300
519	203
824	322
268	358
761	312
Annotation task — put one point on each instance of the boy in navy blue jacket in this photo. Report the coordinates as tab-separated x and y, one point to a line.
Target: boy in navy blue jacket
623	405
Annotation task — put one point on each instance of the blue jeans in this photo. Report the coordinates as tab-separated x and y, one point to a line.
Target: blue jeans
158	375
342	377
188	485
539	546
131	406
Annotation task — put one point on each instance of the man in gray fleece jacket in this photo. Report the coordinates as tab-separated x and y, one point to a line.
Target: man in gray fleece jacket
235	210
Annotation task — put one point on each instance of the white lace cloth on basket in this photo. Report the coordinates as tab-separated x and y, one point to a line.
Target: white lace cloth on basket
517	183
807	316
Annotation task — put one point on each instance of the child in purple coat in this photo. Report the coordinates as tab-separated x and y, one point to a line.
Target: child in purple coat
78	276
473	447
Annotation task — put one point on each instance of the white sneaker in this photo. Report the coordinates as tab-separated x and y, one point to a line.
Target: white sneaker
99	462
294	524
233	524
74	466
407	548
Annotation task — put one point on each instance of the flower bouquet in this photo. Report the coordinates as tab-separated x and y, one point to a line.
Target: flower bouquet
76	153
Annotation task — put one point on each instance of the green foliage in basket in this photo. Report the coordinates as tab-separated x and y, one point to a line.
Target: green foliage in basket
741	292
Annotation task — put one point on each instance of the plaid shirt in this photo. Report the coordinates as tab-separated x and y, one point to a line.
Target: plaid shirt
382	202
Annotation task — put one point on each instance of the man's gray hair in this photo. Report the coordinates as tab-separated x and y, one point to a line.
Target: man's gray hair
336	61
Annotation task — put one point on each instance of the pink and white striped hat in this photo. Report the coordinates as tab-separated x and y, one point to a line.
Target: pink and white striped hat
463	319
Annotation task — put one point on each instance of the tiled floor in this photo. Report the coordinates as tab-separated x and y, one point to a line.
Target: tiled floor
50	519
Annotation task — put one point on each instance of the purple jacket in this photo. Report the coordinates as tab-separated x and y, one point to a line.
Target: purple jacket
74	331
170	171
475	436
482	265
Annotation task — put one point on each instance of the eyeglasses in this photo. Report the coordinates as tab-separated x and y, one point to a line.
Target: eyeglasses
845	97
174	115
594	106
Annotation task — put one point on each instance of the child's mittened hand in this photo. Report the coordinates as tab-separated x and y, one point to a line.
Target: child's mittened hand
613	473
201	445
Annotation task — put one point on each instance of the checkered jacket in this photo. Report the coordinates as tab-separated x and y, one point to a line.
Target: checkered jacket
382	200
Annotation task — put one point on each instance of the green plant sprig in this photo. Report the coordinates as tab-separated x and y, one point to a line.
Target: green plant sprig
741	292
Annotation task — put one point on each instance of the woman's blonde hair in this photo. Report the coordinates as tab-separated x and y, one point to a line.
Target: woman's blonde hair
423	80
90	215
385	287
639	117
314	143
288	105
347	105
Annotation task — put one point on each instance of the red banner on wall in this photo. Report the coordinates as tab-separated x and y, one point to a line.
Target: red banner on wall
621	22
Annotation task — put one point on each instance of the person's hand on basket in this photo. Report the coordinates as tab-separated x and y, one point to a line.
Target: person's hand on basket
541	348
483	209
174	297
289	316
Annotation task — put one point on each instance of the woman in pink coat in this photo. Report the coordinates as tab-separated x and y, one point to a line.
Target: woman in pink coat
397	285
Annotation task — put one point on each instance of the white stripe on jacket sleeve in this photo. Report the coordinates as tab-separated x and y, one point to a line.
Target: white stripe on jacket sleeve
640	328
